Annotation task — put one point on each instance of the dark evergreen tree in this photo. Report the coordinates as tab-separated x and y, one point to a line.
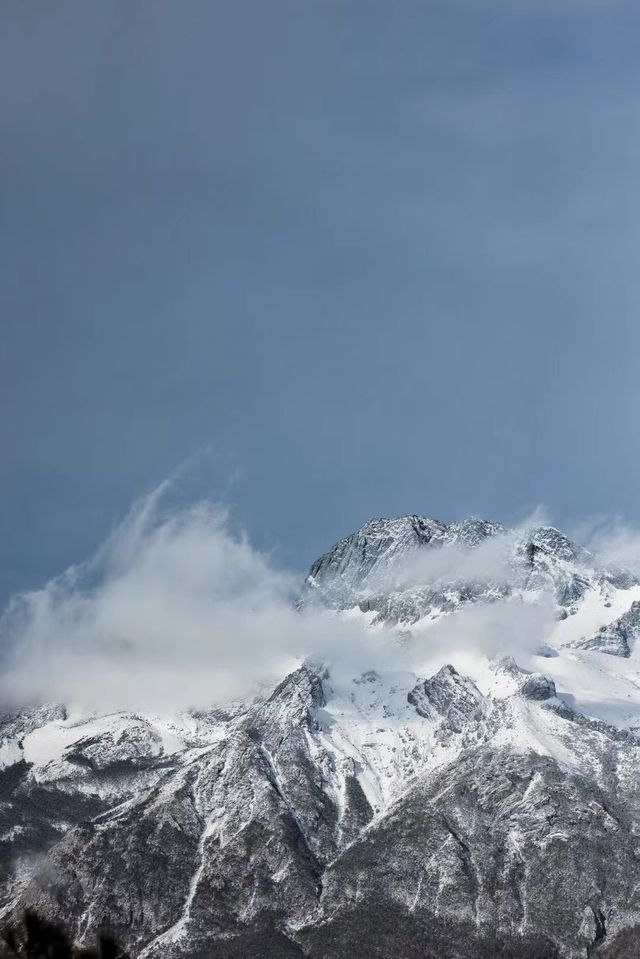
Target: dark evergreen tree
38	938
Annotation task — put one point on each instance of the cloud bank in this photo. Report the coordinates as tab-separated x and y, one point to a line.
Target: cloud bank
178	610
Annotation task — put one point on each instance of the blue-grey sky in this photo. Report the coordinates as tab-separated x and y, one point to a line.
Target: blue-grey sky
355	258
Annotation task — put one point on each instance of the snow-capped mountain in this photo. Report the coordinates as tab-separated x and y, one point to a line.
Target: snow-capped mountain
461	799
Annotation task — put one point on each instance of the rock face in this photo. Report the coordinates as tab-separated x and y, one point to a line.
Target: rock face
538	687
448	698
382	814
407	568
616	638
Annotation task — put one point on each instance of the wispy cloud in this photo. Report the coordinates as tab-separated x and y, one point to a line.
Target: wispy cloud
178	609
616	542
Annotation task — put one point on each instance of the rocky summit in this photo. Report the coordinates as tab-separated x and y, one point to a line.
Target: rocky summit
472	791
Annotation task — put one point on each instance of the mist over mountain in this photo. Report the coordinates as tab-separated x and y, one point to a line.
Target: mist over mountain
426	747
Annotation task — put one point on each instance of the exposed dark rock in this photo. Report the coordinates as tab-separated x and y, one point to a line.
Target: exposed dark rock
618	638
538	687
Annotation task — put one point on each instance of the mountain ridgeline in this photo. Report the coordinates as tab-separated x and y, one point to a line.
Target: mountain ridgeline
488	805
